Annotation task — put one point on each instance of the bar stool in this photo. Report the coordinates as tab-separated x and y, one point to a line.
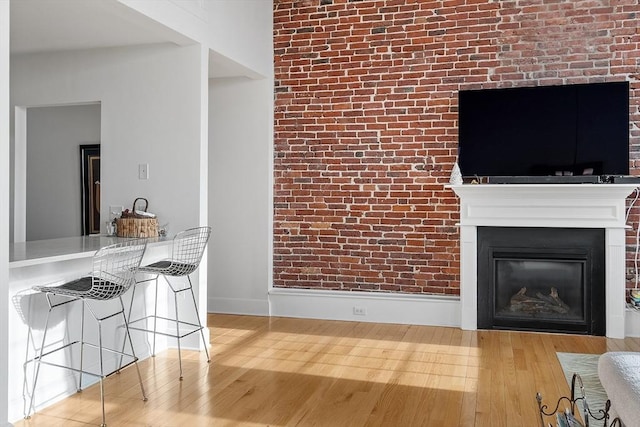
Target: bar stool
113	272
186	253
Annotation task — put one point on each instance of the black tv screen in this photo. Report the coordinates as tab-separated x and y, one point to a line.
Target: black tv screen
545	130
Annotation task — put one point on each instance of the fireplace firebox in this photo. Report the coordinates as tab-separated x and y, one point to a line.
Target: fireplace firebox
541	279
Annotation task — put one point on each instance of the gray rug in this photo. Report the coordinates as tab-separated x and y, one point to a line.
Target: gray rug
586	365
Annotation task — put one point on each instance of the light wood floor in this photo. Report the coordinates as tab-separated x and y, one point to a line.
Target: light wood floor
286	372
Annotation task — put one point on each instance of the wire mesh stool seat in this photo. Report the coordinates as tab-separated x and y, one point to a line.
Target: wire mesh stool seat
113	272
186	253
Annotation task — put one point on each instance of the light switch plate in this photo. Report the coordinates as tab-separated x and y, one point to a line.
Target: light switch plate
143	171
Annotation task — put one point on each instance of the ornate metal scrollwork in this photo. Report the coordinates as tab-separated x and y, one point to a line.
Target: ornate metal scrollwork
572	401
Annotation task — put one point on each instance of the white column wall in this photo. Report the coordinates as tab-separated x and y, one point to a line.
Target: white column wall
240	198
4	210
203	185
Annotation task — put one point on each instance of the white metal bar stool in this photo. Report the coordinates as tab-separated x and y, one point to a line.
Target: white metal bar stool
186	253
114	269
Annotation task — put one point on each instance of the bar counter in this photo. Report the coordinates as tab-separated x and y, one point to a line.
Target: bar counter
36	252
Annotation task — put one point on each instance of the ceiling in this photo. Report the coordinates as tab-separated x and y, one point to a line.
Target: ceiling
59	25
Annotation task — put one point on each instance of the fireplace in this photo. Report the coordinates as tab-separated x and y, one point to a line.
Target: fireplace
541	279
596	206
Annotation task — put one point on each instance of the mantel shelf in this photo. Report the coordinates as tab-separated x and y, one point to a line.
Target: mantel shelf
544	205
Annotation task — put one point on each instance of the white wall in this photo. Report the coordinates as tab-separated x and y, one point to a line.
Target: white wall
240	195
4	211
240	30
150	97
240	124
53	178
243	31
147	117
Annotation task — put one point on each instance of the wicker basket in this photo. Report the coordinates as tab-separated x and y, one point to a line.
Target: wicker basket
137	226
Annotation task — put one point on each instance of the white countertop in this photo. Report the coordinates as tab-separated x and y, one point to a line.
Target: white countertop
36	252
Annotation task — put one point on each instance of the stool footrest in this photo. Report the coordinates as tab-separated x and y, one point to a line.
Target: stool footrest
118	362
186	328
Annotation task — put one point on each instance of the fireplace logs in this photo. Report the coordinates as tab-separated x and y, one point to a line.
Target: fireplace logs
539	304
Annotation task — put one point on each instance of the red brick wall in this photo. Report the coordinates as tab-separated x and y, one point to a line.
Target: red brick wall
366	122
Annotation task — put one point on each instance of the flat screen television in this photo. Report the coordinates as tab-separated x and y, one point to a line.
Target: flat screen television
580	129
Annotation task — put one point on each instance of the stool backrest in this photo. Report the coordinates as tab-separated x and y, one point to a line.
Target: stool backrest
114	268
189	246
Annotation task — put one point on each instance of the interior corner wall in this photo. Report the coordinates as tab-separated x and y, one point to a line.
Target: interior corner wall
251	23
240	195
241	30
150	114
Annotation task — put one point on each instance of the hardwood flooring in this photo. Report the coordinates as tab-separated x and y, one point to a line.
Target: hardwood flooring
298	372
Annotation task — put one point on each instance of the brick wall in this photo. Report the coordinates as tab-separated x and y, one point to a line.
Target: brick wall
366	122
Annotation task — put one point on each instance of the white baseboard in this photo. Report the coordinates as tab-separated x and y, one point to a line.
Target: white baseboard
430	310
253	307
372	306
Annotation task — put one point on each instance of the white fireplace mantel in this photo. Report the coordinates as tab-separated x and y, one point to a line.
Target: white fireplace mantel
545	205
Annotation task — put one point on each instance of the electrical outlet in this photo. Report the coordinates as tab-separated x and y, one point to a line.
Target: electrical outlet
359	311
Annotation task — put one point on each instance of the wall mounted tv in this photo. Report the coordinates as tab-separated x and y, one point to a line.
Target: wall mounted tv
565	130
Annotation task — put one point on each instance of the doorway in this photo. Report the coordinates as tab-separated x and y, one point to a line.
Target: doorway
48	169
